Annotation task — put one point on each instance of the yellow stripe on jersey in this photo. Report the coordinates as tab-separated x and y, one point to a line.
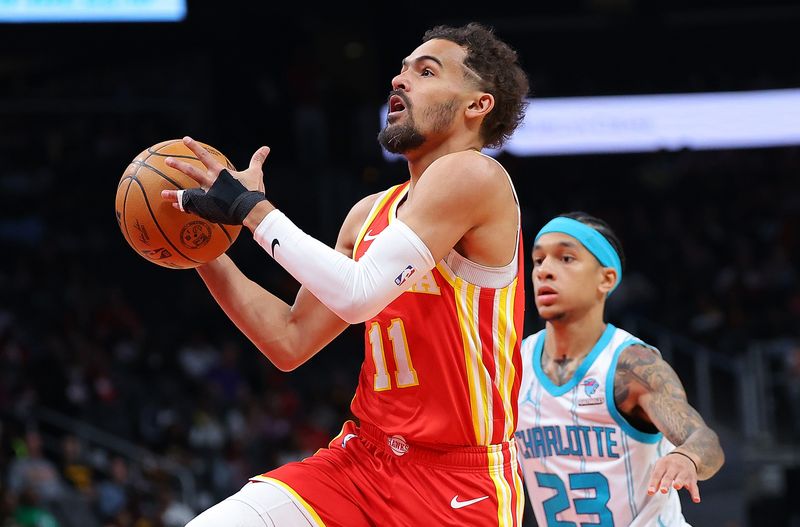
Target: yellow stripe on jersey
479	395
500	350
507	333
502	488
396	203
300	501
484	380
510	347
379	203
504	337
517	482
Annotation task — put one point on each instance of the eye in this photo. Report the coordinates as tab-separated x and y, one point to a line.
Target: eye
537	261
426	72
567	258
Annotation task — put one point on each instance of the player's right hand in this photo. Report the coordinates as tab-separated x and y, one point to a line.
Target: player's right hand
677	471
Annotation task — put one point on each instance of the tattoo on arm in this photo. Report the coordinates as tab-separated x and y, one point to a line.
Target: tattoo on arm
662	398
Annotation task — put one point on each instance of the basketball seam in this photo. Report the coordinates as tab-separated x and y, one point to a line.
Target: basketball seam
175	183
157	171
157	153
155	222
124	207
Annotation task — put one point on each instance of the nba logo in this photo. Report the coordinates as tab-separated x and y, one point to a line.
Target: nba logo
402	277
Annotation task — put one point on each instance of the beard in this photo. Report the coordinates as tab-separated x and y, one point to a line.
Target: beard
401	138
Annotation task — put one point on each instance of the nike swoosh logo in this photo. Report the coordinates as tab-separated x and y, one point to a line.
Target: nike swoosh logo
369	237
460	504
274	243
347	438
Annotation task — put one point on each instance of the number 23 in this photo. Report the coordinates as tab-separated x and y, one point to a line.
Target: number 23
560	501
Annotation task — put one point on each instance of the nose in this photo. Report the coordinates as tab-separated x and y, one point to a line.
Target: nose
544	271
400	82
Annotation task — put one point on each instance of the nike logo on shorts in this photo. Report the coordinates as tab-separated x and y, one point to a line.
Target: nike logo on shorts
460	504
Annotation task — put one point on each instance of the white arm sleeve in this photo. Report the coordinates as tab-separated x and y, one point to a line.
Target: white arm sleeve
355	290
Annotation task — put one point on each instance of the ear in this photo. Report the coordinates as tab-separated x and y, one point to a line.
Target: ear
481	105
608	280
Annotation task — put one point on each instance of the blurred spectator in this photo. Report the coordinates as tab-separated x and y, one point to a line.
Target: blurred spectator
112	492
31	471
75	465
197	356
29	512
173	512
225	377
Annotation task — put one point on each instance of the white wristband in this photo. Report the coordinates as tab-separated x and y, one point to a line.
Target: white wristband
355	290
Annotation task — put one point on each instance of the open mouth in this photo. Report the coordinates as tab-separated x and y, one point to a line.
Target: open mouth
396	104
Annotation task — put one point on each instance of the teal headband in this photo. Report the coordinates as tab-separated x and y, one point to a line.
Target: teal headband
595	243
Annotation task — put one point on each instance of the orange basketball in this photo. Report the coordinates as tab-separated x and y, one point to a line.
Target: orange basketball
155	229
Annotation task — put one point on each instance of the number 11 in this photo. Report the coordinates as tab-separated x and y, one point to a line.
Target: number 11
405	375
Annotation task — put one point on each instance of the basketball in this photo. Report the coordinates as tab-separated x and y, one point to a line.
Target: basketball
157	231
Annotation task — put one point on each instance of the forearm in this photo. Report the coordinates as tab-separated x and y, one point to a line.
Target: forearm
643	380
260	316
354	290
703	447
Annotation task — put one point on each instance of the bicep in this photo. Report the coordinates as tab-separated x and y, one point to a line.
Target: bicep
449	201
660	393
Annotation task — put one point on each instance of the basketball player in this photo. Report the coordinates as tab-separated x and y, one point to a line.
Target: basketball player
605	434
433	268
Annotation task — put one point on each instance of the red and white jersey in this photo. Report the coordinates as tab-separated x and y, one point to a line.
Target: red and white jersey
442	363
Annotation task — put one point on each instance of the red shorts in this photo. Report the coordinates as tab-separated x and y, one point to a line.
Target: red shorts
367	478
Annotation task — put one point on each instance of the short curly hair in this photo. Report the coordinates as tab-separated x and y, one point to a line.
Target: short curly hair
498	65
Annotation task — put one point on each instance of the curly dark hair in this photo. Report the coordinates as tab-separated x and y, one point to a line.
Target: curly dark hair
498	65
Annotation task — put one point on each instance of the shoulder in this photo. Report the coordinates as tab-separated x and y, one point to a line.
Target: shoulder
470	170
637	355
643	366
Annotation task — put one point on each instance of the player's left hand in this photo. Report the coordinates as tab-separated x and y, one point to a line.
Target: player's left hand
676	471
252	178
224	196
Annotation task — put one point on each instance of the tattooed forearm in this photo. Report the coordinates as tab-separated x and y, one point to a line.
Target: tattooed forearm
659	394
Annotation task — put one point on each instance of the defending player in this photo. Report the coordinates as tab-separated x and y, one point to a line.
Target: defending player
434	268
605	434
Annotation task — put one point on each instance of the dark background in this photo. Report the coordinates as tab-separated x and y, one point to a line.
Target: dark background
150	405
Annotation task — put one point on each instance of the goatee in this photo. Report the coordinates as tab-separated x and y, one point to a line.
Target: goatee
400	138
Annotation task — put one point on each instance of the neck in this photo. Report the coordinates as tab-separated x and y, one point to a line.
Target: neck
421	158
573	336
